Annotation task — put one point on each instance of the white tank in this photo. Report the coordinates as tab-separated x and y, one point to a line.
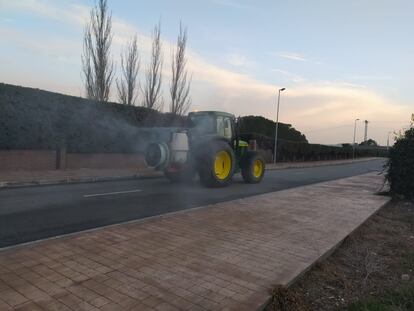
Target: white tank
179	147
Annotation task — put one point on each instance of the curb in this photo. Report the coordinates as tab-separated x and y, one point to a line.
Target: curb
318	164
322	257
67	181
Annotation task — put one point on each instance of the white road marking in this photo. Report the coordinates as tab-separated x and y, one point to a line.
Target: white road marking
110	193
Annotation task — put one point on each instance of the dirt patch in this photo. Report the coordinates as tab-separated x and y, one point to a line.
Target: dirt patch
374	262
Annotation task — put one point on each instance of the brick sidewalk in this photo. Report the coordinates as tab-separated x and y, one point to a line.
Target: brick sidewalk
224	256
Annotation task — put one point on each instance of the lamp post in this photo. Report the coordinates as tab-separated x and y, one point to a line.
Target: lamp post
353	145
277	123
388	140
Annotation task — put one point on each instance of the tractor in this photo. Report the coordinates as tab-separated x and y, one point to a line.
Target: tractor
210	147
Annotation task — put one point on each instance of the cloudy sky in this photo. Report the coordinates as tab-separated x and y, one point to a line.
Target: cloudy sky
339	60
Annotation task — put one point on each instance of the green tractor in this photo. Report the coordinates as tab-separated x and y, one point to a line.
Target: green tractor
211	147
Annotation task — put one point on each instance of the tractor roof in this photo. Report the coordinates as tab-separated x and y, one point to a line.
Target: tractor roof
216	113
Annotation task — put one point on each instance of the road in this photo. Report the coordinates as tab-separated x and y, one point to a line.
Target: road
33	213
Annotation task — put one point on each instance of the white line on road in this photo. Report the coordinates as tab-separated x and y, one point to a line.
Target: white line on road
110	193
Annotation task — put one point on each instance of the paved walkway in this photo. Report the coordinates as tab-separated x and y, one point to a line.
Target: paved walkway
224	256
31	178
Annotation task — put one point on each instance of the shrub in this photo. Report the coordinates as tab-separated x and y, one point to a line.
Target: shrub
400	166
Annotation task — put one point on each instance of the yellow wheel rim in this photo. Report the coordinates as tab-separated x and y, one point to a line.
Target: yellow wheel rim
222	165
257	168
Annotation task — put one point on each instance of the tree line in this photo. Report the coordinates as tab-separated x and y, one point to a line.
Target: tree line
98	69
265	129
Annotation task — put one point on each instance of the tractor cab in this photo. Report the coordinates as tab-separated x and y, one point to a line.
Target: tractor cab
207	125
212	123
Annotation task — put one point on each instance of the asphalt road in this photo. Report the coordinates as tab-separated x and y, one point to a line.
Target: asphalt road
32	213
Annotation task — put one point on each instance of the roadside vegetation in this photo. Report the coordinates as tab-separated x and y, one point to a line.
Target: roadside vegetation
400	166
373	270
294	146
37	119
99	70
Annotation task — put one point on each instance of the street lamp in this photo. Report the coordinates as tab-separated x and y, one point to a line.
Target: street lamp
277	123
353	145
388	140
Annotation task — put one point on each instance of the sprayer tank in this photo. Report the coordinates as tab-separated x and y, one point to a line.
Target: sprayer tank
161	155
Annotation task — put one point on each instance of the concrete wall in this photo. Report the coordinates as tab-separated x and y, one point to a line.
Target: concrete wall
35	160
27	160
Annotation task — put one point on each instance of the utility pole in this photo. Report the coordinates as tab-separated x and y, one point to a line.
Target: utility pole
366	131
277	124
353	145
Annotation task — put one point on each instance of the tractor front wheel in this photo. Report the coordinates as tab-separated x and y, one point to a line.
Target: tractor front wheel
252	167
216	164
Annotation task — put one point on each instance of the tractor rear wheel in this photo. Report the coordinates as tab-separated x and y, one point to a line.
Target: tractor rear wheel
216	164
252	167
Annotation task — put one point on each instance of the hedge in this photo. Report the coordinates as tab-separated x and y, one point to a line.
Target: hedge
36	119
400	166
299	151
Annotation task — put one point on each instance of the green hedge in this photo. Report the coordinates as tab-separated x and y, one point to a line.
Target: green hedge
36	119
400	166
300	151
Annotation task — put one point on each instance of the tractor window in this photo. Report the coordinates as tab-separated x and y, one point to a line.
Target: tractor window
228	129
224	127
220	126
203	124
210	124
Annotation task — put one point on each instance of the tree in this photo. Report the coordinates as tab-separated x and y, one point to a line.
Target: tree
127	86
370	142
180	84
97	65
152	91
264	127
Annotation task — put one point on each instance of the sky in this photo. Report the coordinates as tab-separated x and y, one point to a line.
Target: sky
338	60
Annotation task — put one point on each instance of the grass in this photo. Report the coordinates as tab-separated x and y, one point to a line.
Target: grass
398	299
364	273
401	299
